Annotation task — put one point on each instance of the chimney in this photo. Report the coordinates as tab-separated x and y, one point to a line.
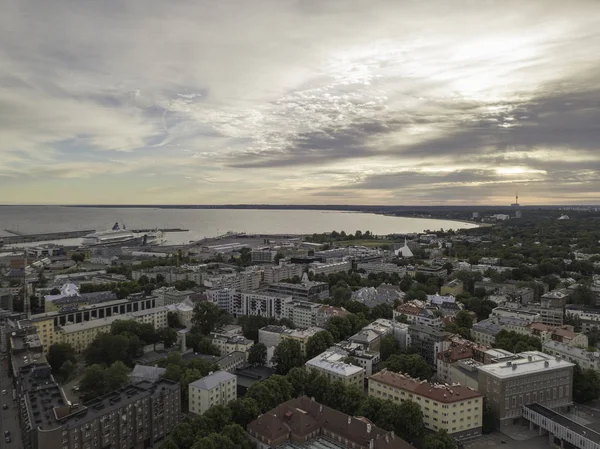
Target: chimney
514	367
393	434
546	363
371	444
349	420
369	429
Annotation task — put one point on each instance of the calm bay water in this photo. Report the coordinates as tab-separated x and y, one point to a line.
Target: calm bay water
208	222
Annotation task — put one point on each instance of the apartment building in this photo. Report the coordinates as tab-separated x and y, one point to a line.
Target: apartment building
272	335
134	416
456	409
263	255
307	291
332	365
47	323
506	312
261	303
563	334
168	274
454	353
303	313
589	318
329	268
484	332
381	267
416	314
370	361
80	335
533	377
231	343
278	273
302	420
218	388
244	281
325	313
581	356
428	342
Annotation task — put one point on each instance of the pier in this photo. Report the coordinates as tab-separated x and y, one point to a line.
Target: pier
17	237
139	231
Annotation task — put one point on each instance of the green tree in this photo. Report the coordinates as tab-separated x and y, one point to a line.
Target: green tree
238	436
410	427
586	385
257	355
463	320
439	440
339	327
205	346
318	343
389	347
58	354
167	336
412	364
214	441
169	444
78	257
115	376
93	383
106	349
287	355
173	320
298	378
244	411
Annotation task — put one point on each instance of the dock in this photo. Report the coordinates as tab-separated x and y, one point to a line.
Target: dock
17	237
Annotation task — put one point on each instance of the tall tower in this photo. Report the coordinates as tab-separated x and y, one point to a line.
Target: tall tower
516	203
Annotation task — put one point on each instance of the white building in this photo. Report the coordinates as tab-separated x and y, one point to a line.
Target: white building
243	281
278	273
218	388
329	268
585	359
380	267
331	364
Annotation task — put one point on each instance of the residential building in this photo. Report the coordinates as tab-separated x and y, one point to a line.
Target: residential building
438	271
306	291
533	377
272	335
581	356
552	316
416	314
454	287
218	388
303	313
170	295
381	267
484	332
142	373
428	342
367	360
332	365
69	296
261	303
383	327
564	334
384	294
263	255
299	421
515	313
325	313
135	416
589	318
278	273
231	343
454	353
80	335
456	409
330	267
244	281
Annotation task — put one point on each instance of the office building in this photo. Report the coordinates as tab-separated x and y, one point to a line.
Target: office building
533	377
332	365
507	312
263	255
218	388
589	318
454	353
244	281
381	267
303	313
299	421
456	409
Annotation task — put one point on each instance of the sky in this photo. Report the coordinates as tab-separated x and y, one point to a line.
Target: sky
299	102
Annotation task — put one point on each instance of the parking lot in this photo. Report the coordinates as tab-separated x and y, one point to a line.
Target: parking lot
497	440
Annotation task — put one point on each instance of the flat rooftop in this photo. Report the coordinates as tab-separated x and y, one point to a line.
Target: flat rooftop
528	363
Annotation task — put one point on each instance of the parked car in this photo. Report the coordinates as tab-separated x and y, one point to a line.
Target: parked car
7	439
4	392
7	433
4	406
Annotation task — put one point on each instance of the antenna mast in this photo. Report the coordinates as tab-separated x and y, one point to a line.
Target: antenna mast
26	308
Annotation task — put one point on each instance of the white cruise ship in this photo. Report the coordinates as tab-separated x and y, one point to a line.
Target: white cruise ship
115	236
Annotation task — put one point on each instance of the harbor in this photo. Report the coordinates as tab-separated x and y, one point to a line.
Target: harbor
18	237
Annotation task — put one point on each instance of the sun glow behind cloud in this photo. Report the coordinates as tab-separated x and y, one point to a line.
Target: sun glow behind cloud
286	102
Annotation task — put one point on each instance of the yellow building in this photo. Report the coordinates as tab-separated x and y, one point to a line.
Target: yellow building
46	331
331	365
454	287
456	409
231	343
301	336
80	335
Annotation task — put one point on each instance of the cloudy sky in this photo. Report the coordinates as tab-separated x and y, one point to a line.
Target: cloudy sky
299	101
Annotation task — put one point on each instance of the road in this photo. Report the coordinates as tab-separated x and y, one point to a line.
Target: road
9	419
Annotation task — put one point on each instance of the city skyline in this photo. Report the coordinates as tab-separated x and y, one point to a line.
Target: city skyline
299	102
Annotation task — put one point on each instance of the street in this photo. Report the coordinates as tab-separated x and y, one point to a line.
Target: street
9	419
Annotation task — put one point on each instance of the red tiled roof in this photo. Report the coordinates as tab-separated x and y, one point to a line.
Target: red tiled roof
436	392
